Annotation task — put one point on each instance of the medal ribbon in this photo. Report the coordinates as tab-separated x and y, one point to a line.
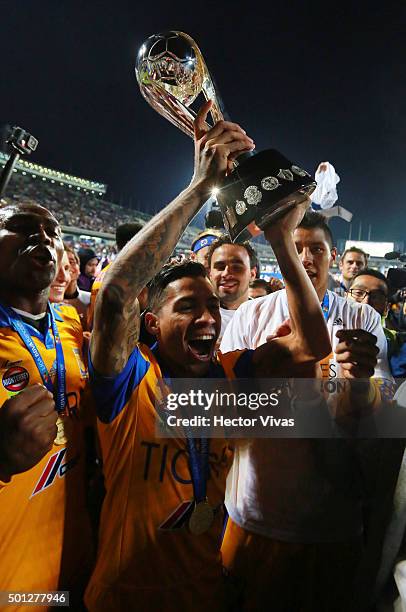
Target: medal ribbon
325	306
199	466
18	325
198	459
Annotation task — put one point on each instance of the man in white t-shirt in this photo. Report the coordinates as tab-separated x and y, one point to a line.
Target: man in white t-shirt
231	267
295	527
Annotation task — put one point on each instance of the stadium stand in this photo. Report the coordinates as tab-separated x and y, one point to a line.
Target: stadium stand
80	207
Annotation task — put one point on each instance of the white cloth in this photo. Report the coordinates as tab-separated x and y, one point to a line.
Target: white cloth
325	194
84	297
226	316
247	501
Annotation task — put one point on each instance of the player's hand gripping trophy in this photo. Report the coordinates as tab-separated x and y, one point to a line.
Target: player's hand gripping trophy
172	73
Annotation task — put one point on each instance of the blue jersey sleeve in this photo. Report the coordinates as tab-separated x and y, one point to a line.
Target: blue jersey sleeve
111	393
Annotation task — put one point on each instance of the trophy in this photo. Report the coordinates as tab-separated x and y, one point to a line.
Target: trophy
172	74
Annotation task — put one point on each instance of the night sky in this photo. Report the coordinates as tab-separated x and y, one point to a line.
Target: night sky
316	80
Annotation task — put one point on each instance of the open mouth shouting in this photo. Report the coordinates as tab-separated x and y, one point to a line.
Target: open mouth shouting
202	347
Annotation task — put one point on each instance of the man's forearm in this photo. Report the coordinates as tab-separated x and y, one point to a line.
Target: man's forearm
147	252
116	313
307	321
117	316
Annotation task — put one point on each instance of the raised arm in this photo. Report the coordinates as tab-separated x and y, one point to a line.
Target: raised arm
116	321
309	339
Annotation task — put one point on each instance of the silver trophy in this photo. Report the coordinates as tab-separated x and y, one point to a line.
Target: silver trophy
172	74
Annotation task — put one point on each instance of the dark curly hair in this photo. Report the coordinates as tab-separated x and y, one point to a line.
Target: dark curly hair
170	273
225	239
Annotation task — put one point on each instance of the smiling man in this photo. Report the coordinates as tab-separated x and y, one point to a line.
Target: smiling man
150	554
61	280
351	262
232	268
45	540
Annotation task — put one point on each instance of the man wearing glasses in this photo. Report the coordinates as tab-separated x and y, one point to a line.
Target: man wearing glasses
371	287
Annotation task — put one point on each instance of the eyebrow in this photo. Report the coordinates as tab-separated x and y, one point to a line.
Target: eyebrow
312	244
26	216
364	288
193	298
228	260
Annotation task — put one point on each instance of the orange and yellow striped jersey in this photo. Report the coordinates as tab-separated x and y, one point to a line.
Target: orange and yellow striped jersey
147	558
45	541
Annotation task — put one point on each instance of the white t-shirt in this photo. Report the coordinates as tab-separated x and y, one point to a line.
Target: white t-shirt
279	488
226	316
256	319
84	296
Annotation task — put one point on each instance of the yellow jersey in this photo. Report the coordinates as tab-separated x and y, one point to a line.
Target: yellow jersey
147	558
93	295
45	538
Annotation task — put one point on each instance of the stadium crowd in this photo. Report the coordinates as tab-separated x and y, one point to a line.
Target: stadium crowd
71	207
96	503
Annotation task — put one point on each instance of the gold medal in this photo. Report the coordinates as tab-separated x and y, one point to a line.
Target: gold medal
61	437
202	518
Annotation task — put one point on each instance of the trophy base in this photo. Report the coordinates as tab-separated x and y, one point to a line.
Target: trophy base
259	191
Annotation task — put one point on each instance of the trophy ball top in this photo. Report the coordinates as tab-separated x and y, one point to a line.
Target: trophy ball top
171	60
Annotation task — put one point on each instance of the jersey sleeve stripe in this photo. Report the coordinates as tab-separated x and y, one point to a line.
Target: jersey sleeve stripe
112	393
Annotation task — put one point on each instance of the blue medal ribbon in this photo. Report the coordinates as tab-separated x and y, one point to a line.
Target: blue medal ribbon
17	324
325	306
199	467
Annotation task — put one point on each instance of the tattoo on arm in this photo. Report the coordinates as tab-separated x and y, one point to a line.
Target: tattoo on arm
116	326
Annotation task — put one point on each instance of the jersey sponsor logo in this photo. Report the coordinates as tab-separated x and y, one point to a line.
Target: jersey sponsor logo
163	460
55	467
15	379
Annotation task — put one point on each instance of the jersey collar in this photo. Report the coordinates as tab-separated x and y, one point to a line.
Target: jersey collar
48	340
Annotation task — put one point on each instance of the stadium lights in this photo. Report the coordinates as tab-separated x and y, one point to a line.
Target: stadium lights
33	169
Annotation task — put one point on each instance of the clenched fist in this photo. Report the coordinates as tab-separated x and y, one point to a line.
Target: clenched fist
27	430
216	148
356	353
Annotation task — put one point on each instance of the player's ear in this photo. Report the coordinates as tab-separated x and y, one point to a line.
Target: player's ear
151	321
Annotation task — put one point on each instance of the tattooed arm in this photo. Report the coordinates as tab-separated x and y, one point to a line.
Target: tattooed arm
116	323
